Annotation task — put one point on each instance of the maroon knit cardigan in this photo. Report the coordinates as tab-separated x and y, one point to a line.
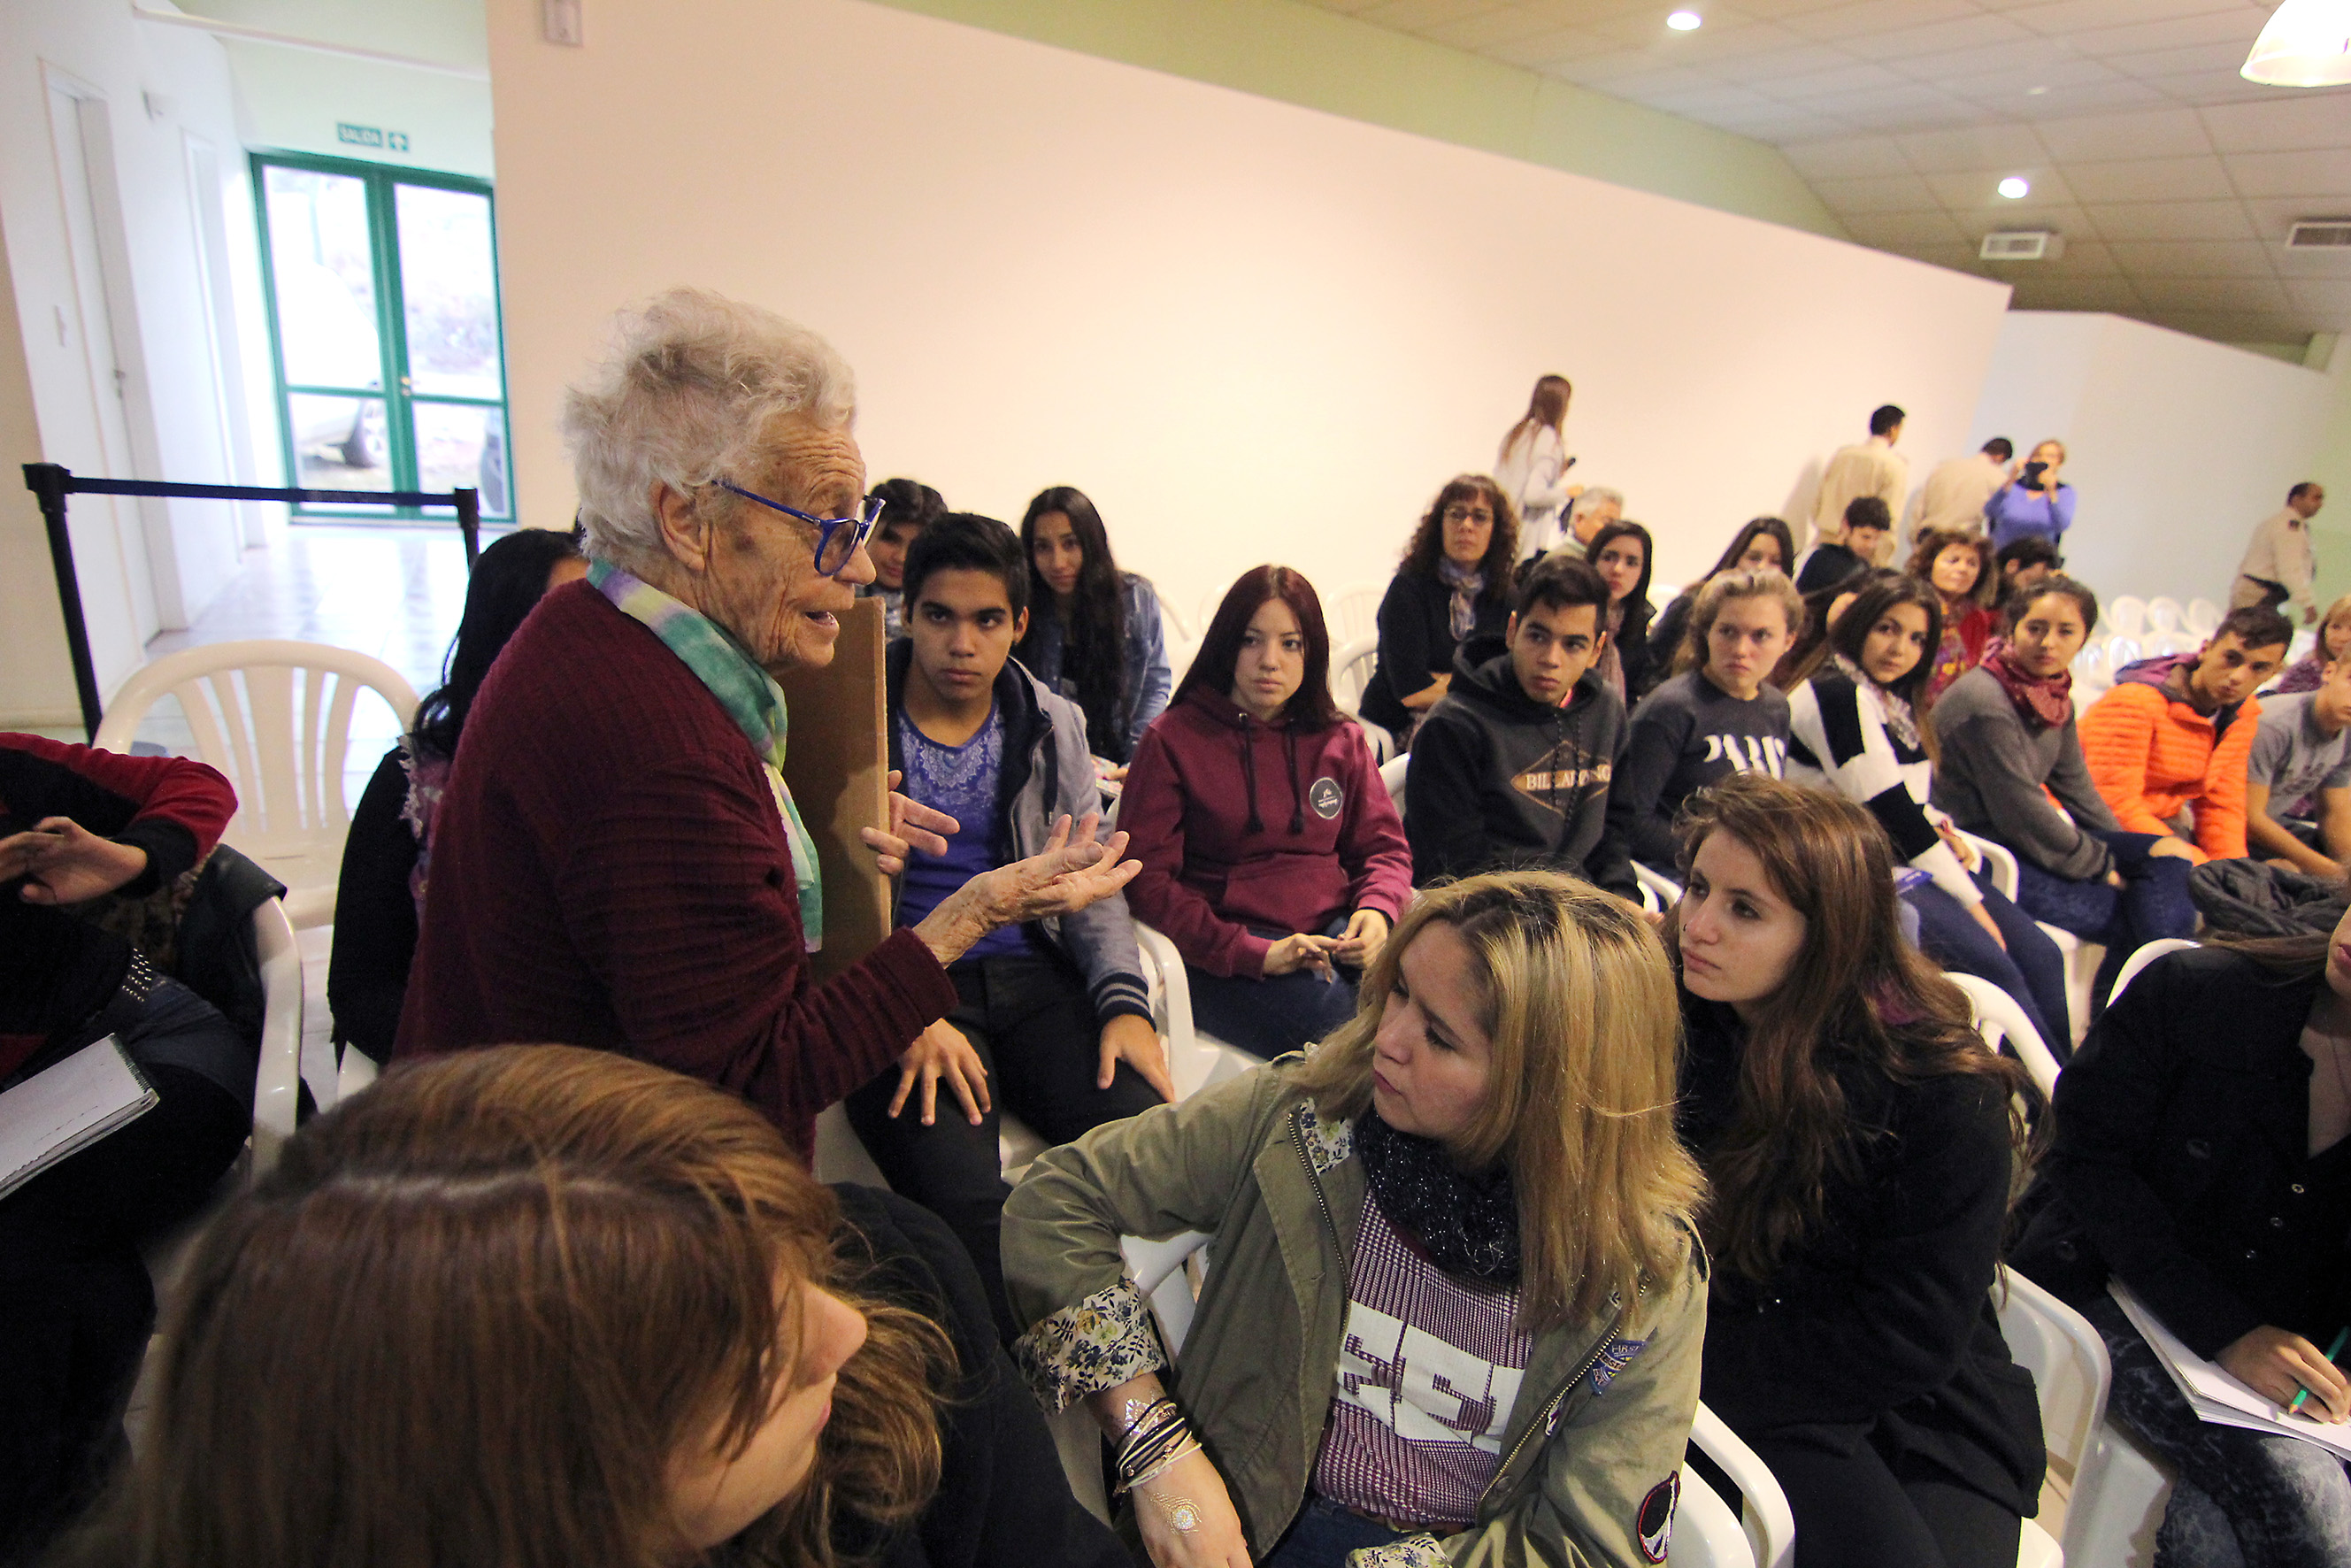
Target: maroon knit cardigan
608	870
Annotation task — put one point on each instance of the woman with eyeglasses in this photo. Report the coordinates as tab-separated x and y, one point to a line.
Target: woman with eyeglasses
1453	587
617	860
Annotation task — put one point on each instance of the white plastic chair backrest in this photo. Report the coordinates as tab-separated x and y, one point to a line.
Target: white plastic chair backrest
2202	616
2164	643
2090	668
1158	1270
357	1071
2000	862
2121	651
2127	613
1770	1523
2164	613
1352	664
1208	603
1175	621
2141	959
1358	608
1998	1019
1667	891
1706	1529
2300	647
1391	774
278	1086
275	717
2065	1354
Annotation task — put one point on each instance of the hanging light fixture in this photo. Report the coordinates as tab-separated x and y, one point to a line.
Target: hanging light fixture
2306	43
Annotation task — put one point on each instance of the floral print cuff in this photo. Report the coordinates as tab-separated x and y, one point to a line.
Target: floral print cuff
1097	1343
1412	1551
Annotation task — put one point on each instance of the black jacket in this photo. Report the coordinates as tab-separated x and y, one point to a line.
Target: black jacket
1003	1501
1498	779
375	914
1416	641
1880	1325
2182	1160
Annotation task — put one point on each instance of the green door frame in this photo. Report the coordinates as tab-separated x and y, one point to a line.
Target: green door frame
392	330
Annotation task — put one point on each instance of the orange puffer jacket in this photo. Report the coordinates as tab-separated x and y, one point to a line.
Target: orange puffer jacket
2151	756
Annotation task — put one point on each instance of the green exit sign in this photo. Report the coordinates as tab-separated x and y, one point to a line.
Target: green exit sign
370	136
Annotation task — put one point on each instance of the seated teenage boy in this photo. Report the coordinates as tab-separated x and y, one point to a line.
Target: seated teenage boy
1867	520
2298	778
2168	744
1510	769
1054	1023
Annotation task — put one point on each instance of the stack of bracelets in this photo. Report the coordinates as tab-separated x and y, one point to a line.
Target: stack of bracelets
1156	1438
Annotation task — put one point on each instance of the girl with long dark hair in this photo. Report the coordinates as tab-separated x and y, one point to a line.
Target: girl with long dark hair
1624	556
1095	633
1271	854
1859	1141
2201	1162
1855	728
1761	544
387	854
1532	465
1453	587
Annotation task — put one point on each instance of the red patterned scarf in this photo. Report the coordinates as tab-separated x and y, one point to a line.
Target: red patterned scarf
2044	700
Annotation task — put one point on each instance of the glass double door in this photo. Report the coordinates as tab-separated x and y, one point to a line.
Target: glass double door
384	314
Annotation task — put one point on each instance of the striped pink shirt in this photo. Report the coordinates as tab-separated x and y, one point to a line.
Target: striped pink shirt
1429	1370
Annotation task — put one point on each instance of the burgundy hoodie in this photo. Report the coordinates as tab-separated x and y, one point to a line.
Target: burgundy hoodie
1239	823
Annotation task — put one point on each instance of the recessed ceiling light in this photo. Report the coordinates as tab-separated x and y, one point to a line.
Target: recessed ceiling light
2015	187
2035	91
1685	21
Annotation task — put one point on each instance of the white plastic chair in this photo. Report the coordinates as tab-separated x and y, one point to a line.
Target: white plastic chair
2082	958
275	717
1351	663
278	1086
2071	1375
1998	1019
2120	650
1357	608
1391	774
2203	617
1707	1532
1175	621
2139	961
2091	671
2127	613
2164	643
1769	1523
1208	603
2164	613
1666	891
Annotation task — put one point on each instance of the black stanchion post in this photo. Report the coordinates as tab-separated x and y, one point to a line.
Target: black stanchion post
469	523
49	482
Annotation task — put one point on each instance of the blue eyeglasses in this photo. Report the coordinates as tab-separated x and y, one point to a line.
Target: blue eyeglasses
838	539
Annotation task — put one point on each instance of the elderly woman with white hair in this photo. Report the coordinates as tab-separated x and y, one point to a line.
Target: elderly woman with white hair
617	860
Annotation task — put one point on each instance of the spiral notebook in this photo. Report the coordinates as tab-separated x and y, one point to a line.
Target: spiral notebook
2215	1396
67	1106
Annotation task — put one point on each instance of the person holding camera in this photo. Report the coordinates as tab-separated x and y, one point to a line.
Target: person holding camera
2034	503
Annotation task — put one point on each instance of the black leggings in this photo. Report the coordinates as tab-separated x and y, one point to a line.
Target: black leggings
76	1304
1856	1509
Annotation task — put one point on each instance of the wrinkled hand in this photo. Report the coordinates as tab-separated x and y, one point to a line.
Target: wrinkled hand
2278	1365
1366	933
1303	951
942	1051
913	826
1133	1040
2177	849
1070	872
64	862
1186	1518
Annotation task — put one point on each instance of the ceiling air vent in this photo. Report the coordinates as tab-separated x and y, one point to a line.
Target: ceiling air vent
2022	244
2320	234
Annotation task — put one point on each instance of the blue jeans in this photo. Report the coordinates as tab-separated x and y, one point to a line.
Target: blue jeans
2152	903
1276	1015
1322	1534
2244	1497
2030	970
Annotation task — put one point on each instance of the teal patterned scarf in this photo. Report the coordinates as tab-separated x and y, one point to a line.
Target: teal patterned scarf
747	693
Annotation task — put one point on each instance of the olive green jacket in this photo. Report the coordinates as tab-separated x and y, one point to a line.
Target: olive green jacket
1595	1440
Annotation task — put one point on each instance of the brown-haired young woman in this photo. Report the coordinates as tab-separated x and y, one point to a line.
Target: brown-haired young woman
538	1305
1532	465
1860	1141
1271	853
1958	565
1454	585
1453	1303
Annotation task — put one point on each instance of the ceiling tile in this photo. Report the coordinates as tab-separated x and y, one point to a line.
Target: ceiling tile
2291	173
2192	258
1646	30
2015	88
2066	220
1508	24
2213	293
1958	33
1857	77
2159	133
1714	104
2084	257
1787	124
1879	193
1979	190
1581	12
2113	294
1639	85
2333	297
1878	17
1900	231
1801	61
2065	17
2086	98
1554	47
1410	16
2000	147
2315	266
2171	220
1958	257
1597	68
2281	125
1848	157
2203	88
2236	27
2028	58
2151	180
2232	327
2154	65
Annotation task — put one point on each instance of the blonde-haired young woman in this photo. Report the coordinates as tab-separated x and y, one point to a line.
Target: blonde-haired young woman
539	1305
1454	1302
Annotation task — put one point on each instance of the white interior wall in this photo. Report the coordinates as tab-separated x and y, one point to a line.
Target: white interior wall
162	91
1250	330
2177	446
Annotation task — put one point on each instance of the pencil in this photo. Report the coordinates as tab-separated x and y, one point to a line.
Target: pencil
2341	1337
